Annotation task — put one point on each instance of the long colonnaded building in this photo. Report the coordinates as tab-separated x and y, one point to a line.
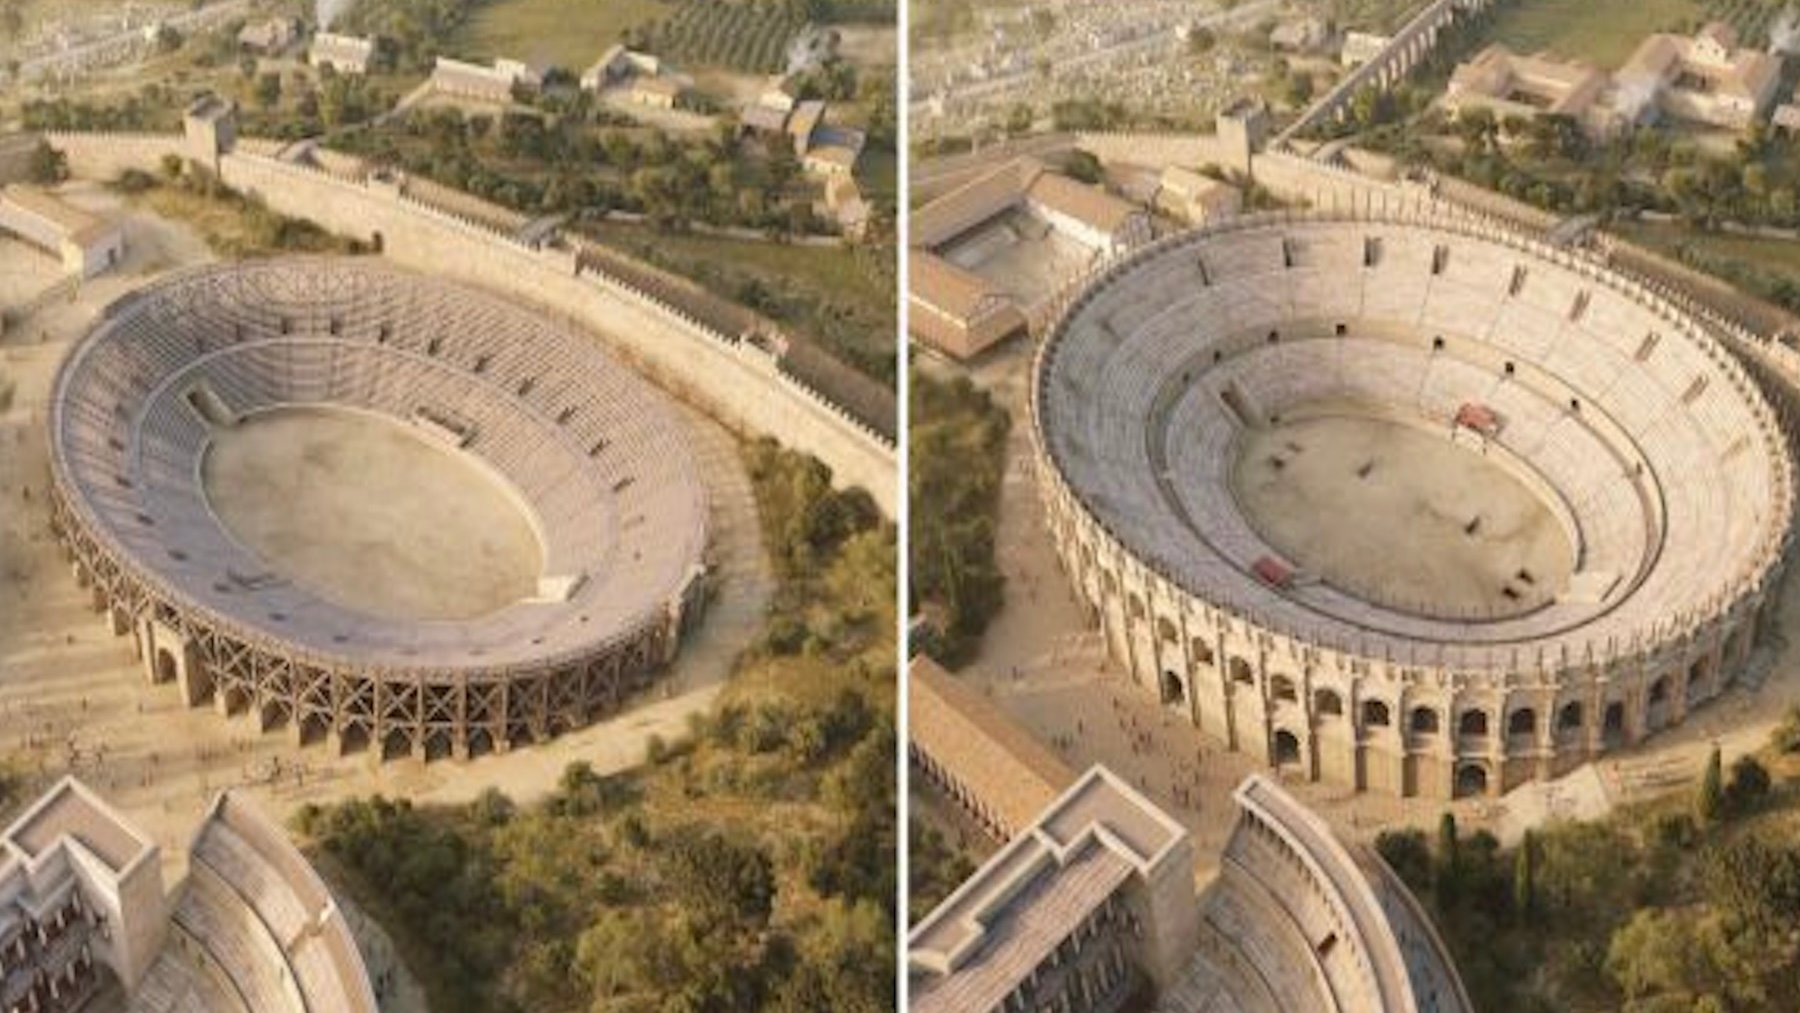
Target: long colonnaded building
1091	905
1408	502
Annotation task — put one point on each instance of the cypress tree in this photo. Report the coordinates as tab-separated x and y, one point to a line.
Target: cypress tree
1710	804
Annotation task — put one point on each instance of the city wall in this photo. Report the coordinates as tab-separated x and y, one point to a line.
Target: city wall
733	379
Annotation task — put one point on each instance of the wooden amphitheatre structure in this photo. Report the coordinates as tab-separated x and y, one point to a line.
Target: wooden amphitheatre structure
596	457
1655	452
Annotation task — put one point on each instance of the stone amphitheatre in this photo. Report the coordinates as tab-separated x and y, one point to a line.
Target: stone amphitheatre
1405	501
373	507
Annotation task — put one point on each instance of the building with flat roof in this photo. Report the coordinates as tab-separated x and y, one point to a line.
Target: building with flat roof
1088	907
85	243
1196	198
269	36
345	54
1507	84
1706	78
494	83
1014	235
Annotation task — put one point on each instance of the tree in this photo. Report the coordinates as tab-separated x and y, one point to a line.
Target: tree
1525	876
1749	785
48	166
1084	166
268	90
1709	804
1408	854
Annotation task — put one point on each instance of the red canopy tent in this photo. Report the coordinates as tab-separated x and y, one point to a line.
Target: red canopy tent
1273	572
1478	417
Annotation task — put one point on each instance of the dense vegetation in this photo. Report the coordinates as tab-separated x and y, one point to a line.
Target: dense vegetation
934	869
957	455
1687	905
233	224
413	32
583	160
748	866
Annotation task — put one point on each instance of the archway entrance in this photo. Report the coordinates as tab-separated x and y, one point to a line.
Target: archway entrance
1471	780
166	666
1287	749
1174	693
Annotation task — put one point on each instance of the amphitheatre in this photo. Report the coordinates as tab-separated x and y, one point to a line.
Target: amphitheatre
442	517
1404	501
515	533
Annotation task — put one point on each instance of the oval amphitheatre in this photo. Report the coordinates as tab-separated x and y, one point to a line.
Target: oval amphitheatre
375	508
1407	502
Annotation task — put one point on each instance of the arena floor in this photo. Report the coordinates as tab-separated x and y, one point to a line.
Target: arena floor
372	514
1401	516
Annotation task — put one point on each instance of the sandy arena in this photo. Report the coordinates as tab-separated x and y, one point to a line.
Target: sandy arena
1395	513
370	514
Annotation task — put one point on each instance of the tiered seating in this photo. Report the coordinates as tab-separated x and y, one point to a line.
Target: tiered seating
1132	411
239	943
172	986
603	463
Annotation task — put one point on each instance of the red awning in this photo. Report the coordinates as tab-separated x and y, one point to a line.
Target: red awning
1273	572
1478	417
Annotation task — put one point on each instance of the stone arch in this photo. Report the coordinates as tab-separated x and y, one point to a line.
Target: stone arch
395	744
1166	630
1201	651
1424	721
1375	714
1134	607
1285	749
1282	687
1327	703
1568	718
1659	691
1471	780
1521	722
1241	672
1612	728
1696	676
1472	723
167	668
1174	691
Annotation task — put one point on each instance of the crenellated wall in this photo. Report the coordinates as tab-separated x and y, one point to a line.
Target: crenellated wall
733	379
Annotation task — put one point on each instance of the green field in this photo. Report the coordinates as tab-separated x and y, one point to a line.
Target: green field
566	33
1776	256
1602	32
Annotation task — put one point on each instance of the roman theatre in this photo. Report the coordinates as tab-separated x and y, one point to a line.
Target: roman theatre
1407	502
373	507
